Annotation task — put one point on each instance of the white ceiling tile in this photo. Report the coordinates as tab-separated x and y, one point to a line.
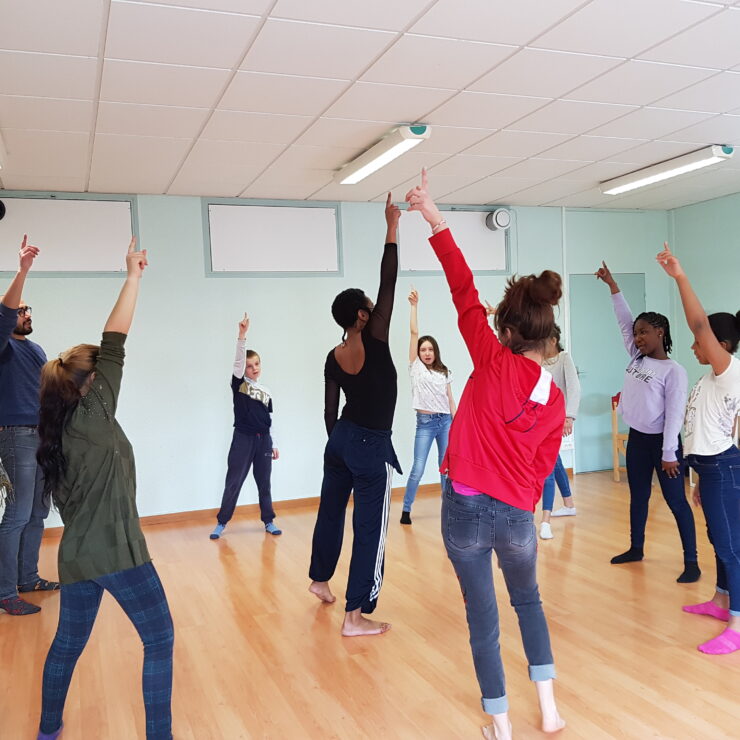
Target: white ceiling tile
47	75
43	183
599	171
150	120
142	164
652	153
517	143
267	93
435	62
442	185
45	114
623	27
650	123
71	27
474	168
570	117
171	35
718	94
452	139
45	153
288	47
484	110
639	83
544	193
388	15
236	126
712	43
500	21
541	168
314	158
288	184
215	187
161	84
250	7
591	198
591	148
717	130
548	74
360	135
490	190
234	163
402	103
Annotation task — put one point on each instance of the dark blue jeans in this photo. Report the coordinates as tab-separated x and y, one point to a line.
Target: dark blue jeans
248	451
719	486
548	491
23	521
140	594
429	428
644	454
473	527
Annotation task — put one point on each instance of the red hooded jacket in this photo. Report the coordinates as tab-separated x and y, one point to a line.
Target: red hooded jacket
507	431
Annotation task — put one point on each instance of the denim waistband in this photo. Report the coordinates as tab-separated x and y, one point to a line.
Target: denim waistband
365	430
19	426
435	415
726	456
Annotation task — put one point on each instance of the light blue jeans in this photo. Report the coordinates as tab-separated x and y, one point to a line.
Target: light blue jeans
548	491
429	427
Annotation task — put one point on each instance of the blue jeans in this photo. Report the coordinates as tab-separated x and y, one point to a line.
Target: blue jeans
140	594
429	427
473	527
548	490
719	485
22	525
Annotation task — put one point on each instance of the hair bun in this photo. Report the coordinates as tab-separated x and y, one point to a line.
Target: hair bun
737	320
547	288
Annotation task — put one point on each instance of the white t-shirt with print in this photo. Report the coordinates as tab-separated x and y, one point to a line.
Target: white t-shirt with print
713	405
429	388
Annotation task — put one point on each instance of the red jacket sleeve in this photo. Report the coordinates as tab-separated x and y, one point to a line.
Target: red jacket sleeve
480	339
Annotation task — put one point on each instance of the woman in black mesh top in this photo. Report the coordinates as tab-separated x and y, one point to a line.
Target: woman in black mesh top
359	455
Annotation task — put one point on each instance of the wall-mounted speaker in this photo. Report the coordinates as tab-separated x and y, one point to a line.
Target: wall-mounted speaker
498	220
2	210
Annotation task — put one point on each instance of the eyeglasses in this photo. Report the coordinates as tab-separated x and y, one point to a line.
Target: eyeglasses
24	310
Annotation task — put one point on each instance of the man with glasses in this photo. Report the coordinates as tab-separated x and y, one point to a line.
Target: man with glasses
26	506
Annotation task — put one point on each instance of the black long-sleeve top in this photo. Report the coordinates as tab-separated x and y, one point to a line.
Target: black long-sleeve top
370	394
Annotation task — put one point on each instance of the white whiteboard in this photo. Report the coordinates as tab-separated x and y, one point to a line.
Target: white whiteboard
483	249
73	235
246	238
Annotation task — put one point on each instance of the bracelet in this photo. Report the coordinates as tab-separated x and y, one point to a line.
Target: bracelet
436	226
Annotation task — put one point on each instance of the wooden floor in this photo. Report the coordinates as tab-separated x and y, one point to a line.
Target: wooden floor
258	657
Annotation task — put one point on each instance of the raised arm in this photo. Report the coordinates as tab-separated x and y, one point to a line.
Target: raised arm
572	392
380	319
123	312
719	358
621	310
240	360
414	326
12	298
472	319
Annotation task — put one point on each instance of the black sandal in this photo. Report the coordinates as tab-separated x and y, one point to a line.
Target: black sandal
41	585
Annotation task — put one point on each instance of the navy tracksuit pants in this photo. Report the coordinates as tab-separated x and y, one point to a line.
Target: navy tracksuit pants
248	451
356	460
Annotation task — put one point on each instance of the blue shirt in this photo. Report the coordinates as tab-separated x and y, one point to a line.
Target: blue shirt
21	361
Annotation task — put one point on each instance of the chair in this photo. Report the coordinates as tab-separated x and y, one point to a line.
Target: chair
619	440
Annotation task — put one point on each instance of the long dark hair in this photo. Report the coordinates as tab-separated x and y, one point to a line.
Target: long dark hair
526	310
658	321
61	382
556	336
726	328
437	365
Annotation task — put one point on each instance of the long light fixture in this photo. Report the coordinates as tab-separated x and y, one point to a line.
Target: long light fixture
670	168
397	142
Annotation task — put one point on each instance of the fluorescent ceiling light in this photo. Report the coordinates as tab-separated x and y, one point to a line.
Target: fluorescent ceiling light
671	168
397	142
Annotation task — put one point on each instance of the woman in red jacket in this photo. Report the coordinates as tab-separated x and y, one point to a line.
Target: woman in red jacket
504	442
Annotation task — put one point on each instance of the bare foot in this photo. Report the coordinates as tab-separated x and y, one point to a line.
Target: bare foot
497	732
552	723
321	590
355	626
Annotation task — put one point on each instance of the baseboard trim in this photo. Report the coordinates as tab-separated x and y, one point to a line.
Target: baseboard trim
247	511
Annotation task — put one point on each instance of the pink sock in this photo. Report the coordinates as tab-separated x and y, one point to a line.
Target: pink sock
710	609
727	642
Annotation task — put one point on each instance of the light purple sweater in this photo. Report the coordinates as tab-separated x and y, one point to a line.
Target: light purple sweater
654	392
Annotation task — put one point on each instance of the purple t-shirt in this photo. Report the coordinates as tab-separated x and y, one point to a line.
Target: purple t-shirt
654	392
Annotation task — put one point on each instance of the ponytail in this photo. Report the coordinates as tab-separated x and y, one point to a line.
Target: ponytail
726	328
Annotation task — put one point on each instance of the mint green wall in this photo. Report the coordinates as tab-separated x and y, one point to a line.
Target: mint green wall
176	402
706	238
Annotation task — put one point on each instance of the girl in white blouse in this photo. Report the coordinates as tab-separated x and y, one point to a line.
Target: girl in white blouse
432	399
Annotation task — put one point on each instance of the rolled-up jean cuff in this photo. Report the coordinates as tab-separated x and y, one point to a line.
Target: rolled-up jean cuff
495	706
734	614
721	590
541	672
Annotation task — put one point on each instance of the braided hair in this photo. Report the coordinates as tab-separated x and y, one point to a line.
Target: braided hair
658	321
